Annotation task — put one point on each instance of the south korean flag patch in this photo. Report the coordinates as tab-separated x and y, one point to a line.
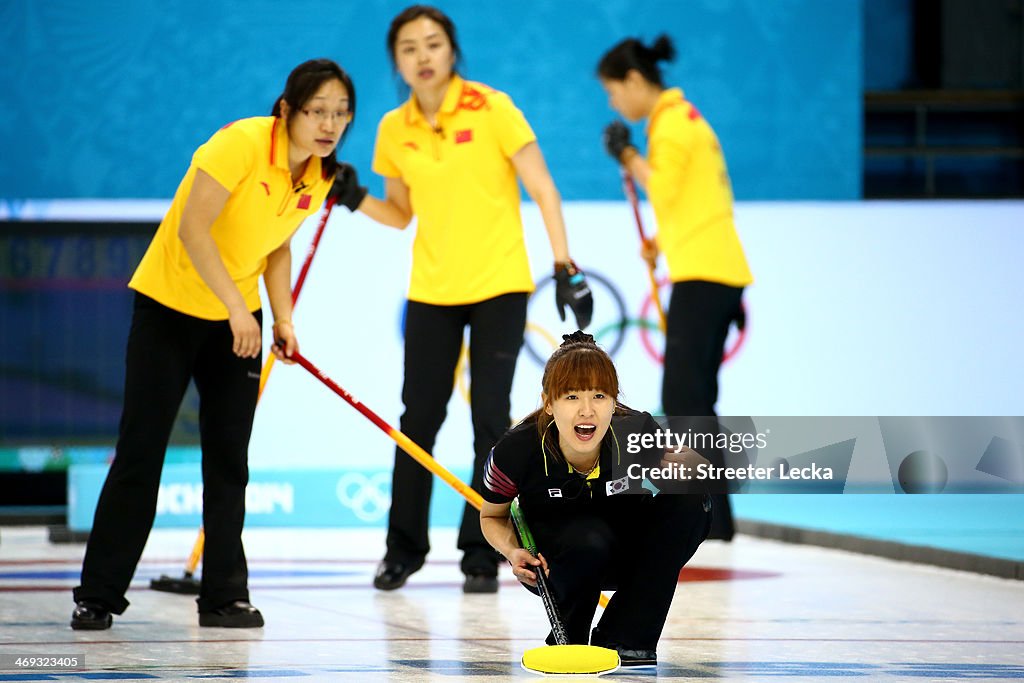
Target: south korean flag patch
616	486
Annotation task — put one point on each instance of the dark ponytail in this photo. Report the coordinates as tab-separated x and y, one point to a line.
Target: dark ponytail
663	49
632	54
303	83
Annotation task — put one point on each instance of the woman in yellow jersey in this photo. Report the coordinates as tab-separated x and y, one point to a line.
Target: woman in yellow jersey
451	156
686	180
197	316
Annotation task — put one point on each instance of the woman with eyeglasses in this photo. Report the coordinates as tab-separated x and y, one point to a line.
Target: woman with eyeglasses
451	157
198	316
595	525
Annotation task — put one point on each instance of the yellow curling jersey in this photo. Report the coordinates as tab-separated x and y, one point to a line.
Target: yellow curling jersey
691	195
464	192
250	158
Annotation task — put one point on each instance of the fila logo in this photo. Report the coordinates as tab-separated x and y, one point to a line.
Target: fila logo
554	493
411	145
463	136
304	201
265	187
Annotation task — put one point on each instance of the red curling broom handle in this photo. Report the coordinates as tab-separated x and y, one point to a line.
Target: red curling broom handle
629	187
312	250
268	365
407	444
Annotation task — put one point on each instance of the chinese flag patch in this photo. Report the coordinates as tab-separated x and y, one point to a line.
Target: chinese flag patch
304	201
463	136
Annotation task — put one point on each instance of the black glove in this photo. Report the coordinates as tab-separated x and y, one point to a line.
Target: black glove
616	139
740	317
346	189
571	290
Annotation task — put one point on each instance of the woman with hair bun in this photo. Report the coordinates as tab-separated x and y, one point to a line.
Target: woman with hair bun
596	527
685	177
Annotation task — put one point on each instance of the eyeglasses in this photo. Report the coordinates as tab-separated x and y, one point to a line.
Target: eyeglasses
320	115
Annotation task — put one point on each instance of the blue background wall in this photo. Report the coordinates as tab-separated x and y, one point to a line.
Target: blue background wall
109	99
888	44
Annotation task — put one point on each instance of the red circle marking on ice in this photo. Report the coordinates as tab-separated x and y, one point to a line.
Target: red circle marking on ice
715	574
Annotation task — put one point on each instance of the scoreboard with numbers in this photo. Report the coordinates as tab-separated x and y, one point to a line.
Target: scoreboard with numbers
65	311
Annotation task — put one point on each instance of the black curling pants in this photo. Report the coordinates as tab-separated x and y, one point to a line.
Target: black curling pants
433	340
634	545
699	315
165	350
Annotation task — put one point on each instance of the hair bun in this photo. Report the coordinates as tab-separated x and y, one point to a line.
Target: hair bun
663	49
577	337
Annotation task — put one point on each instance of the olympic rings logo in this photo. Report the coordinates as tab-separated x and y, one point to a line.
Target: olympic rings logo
369	498
610	333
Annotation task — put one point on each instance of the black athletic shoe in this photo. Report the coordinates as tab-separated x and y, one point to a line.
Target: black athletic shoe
237	614
90	615
637	658
480	583
391	575
628	657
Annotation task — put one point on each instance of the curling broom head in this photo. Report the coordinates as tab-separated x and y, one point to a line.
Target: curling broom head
582	660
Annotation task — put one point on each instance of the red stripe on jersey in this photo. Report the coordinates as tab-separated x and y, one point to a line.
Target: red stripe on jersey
497	481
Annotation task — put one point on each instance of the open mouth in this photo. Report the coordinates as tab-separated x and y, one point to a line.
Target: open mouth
426	74
585	432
